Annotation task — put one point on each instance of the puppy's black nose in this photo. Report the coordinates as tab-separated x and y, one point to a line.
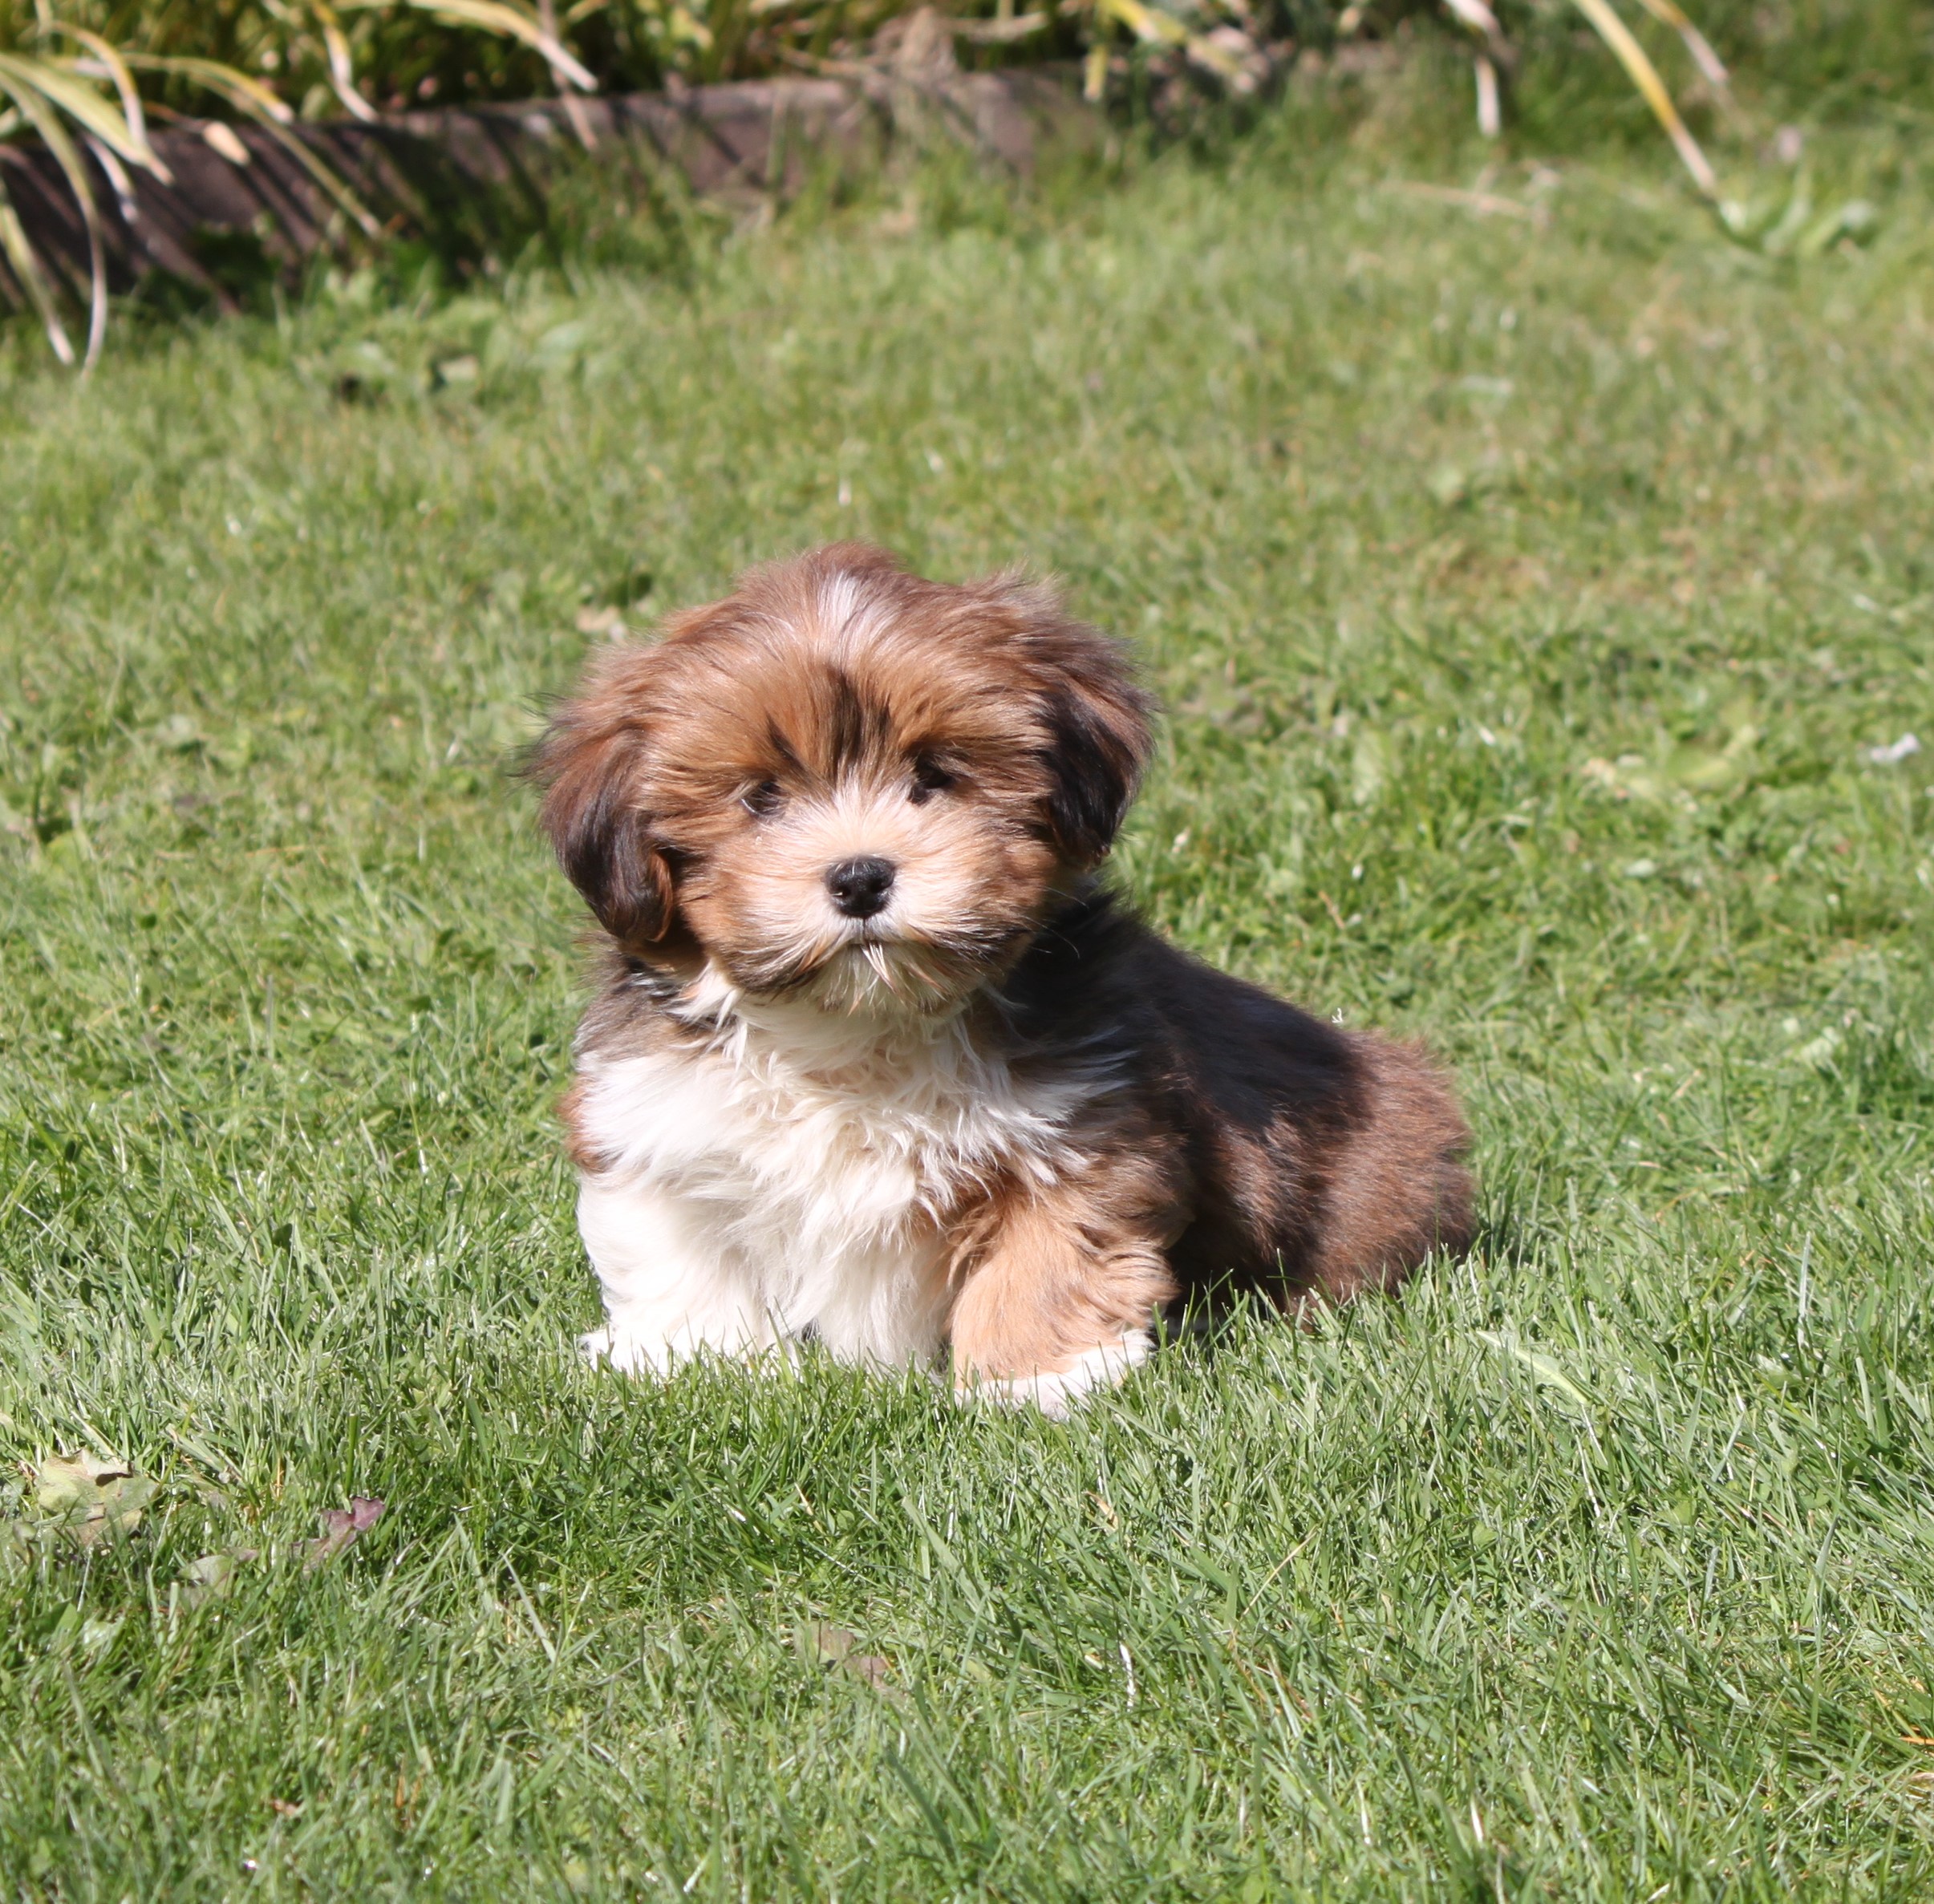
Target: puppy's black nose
859	887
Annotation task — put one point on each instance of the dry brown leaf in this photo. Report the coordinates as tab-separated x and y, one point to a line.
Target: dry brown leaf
343	1526
834	1646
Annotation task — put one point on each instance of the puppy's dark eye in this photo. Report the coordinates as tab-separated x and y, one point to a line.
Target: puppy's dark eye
762	799
929	778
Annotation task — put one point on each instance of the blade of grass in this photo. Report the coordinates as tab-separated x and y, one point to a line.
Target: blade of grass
24	83
62	86
26	268
1478	17
1696	44
246	95
1645	75
1147	24
573	107
494	16
1490	112
257	103
1094	72
117	176
115	69
341	68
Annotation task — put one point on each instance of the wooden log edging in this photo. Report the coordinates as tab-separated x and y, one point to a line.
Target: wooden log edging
434	172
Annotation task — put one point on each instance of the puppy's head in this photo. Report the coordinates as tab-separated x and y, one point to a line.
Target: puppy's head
845	783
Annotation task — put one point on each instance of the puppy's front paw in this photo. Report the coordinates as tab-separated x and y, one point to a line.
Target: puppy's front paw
1055	1393
604	1348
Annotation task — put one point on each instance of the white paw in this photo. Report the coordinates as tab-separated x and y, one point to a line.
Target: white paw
625	1353
1055	1394
649	1355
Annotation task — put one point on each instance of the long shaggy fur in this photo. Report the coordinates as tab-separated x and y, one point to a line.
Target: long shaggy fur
984	1110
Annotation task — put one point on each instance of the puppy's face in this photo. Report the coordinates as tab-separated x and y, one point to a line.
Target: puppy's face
845	783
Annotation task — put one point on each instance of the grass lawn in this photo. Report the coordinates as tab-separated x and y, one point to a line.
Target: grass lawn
1527	592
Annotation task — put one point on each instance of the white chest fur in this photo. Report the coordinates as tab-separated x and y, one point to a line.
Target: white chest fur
795	1172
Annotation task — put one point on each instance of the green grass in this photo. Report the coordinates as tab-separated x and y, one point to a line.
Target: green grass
1525	595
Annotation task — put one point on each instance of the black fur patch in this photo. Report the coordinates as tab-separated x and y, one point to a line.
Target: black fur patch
1092	771
859	731
608	851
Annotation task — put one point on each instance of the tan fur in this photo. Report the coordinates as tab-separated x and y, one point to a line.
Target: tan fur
1045	1273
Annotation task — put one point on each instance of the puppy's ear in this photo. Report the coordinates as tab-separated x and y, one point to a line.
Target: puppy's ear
1097	723
592	769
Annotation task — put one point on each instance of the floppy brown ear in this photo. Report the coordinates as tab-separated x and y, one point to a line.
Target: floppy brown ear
1098	734
603	838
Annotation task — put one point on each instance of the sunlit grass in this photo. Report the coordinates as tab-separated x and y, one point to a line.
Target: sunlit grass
1529	594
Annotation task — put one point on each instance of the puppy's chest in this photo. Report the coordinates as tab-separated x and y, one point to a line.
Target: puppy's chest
871	1152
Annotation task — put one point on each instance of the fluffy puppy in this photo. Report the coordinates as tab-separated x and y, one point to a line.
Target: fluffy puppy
875	1061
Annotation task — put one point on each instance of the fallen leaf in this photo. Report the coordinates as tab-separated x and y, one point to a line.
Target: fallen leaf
1627	778
87	1497
179	733
1369	767
342	1527
212	1576
1229	705
63	1479
834	1646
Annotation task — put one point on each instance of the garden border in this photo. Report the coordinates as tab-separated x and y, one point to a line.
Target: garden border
750	141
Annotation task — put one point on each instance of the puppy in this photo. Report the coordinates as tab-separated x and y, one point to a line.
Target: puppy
875	1061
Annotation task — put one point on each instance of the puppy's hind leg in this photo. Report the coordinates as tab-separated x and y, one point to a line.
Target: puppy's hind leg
671	1288
1058	1298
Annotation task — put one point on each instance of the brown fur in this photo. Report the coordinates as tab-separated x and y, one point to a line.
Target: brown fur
989	746
1043	1273
657	770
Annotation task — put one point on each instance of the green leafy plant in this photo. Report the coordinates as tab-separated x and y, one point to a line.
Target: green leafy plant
64	107
81	83
75	86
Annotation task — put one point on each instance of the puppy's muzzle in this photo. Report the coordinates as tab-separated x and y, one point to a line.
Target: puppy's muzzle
861	888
